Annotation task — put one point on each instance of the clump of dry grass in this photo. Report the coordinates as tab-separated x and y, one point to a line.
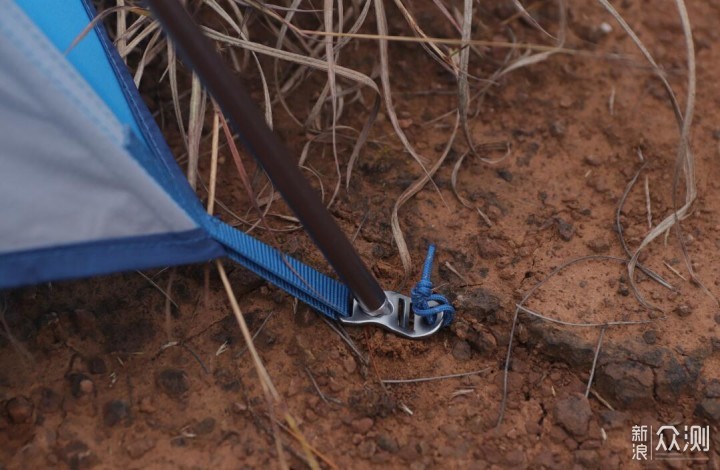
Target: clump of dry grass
296	40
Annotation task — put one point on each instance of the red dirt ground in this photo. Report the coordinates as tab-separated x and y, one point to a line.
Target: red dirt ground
104	389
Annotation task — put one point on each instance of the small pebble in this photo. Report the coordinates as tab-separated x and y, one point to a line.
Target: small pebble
605	27
557	129
462	351
87	387
650	337
20	410
173	382
78	455
140	447
77	387
366	449
206	426
114	412
362	425
349	365
573	414
387	443
683	310
565	230
593	160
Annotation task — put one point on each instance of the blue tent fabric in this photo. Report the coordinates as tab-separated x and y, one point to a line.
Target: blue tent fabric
46	104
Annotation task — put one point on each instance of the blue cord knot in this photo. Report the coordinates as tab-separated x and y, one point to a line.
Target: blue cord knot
422	294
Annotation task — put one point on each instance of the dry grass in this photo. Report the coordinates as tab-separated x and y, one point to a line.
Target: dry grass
299	39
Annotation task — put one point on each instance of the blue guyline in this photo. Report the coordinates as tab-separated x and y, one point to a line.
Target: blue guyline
422	295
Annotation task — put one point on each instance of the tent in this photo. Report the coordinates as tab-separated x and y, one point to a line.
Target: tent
88	185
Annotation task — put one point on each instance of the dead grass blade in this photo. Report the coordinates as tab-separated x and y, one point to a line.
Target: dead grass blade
121	25
462	75
382	26
151	51
685	162
196	121
244	35
172	77
332	85
271	394
411	191
620	231
525	14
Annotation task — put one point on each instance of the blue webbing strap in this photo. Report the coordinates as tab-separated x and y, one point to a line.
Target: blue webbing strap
321	292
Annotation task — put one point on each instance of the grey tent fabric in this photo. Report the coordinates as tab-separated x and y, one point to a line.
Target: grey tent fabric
65	175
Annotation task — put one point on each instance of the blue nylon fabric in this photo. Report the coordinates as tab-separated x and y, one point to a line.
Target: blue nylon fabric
103	257
62	21
321	292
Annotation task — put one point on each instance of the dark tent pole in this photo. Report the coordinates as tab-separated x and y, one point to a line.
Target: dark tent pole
247	120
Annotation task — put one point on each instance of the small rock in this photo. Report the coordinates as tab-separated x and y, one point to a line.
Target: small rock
587	458
683	310
387	443
480	303
599	245
87	387
514	459
140	447
405	123
557	129
489	248
362	425
173	382
146	405
20	410
671	380
712	390
482	341
366	449
612	419
410	452
77	455
544	459
206	426
598	183
717	318
505	174
573	414
461	350
349	364
565	230
650	337
96	365
628	383
114	412
450	430
709	408
79	386
593	160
